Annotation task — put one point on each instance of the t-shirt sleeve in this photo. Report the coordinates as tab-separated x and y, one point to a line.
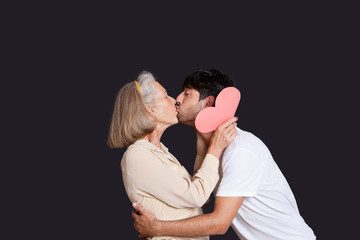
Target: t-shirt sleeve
243	172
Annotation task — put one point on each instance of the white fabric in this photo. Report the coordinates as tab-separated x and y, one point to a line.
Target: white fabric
269	210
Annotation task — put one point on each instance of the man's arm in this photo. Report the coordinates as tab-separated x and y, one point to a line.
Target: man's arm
213	223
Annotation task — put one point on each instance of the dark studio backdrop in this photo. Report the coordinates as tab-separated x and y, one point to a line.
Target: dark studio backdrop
284	59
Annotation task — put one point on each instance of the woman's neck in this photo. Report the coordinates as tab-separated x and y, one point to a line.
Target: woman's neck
155	137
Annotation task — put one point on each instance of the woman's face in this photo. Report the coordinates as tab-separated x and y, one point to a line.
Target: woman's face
163	107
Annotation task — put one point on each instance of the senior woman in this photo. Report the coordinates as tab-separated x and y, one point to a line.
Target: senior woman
152	176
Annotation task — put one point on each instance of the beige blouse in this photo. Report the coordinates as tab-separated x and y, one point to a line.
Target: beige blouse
155	179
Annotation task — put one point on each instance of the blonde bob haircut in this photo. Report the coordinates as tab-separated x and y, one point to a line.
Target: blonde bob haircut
130	120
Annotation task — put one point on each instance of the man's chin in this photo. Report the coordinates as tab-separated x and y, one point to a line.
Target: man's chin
190	123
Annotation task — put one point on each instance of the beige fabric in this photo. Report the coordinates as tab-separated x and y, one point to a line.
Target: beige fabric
198	161
154	178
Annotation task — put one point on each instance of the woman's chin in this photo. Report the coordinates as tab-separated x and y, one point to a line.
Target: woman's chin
175	122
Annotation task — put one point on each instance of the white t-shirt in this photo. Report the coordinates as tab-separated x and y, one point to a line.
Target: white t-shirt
269	210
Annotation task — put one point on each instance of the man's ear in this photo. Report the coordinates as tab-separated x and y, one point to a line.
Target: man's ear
209	101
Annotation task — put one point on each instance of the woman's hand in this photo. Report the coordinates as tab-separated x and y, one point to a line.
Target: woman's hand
222	137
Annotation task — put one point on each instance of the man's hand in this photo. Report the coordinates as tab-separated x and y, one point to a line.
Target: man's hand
145	223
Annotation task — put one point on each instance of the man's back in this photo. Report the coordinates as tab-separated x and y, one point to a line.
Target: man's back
269	210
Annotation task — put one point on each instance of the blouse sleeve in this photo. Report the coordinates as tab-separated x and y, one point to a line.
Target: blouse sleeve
198	161
146	173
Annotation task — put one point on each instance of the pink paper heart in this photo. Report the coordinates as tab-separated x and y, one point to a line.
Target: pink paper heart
211	118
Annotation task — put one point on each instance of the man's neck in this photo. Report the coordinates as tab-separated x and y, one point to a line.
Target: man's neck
205	136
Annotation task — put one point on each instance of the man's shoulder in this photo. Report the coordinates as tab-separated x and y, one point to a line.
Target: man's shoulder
245	141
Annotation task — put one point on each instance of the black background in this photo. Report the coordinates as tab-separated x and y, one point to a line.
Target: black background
292	64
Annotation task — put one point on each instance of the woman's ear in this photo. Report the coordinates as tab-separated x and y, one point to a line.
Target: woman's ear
149	108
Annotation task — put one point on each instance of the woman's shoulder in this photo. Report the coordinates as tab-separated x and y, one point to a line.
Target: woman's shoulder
135	150
134	157
138	151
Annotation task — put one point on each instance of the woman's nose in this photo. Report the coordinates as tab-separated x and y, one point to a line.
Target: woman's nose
173	100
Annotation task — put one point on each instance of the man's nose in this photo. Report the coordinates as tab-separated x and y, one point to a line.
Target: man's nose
178	102
179	99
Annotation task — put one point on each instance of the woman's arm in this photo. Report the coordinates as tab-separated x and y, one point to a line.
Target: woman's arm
143	170
218	141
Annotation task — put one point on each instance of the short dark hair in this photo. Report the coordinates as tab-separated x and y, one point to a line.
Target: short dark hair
208	82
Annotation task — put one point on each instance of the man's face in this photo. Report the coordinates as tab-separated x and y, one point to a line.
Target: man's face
189	106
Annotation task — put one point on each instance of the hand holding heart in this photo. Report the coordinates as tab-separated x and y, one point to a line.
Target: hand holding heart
226	104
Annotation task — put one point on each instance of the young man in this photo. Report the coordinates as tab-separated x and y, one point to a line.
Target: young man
252	194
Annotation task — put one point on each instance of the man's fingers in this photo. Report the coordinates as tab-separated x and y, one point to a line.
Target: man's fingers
138	208
134	214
